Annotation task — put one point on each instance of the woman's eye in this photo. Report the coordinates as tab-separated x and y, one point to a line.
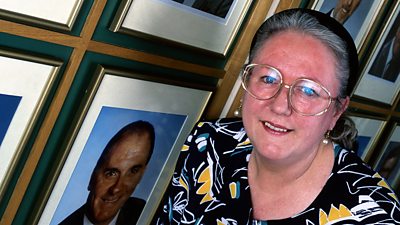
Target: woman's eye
309	91
269	80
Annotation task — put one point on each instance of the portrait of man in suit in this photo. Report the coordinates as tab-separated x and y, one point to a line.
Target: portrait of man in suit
387	62
355	15
114	178
344	9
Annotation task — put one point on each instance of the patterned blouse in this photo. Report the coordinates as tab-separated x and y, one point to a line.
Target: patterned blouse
210	186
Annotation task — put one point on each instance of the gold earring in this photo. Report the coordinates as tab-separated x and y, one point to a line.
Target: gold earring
327	137
238	111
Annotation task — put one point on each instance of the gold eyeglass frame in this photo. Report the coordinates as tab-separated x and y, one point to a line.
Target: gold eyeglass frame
245	75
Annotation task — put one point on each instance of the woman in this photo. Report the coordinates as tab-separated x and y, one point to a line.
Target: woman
287	162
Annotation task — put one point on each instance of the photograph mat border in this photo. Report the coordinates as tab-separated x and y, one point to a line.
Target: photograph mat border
146	17
62	15
33	86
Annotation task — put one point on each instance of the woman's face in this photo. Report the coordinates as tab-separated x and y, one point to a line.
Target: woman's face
275	130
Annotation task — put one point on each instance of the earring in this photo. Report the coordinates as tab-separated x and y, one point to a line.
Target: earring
238	111
327	137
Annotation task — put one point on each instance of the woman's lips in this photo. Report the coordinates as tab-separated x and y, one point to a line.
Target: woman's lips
275	128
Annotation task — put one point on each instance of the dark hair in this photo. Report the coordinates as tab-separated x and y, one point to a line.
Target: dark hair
331	33
139	126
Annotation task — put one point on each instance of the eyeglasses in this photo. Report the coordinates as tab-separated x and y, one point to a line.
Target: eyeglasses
306	97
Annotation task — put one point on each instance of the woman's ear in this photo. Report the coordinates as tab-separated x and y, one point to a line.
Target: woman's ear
344	103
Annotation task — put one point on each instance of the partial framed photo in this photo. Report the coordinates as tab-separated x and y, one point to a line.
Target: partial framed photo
369	130
59	15
115	99
209	25
379	80
25	84
357	16
388	162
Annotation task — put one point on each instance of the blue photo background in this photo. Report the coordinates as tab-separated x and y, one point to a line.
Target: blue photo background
167	128
8	106
362	144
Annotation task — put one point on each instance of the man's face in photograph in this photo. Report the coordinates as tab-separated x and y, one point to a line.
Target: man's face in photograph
117	177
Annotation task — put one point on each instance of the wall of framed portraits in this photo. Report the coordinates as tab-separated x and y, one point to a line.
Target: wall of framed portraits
75	72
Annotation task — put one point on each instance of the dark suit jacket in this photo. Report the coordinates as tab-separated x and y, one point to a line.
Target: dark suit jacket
378	67
217	7
128	215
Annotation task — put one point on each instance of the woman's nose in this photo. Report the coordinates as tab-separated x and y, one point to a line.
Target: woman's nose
280	104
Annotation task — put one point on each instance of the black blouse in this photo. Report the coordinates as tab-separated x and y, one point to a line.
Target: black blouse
210	186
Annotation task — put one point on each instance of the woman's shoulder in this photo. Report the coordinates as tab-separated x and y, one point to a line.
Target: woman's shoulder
349	164
361	177
361	189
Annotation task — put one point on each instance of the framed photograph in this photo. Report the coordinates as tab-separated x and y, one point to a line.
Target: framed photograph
369	130
379	80
356	16
115	99
388	162
59	15
25	83
210	25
